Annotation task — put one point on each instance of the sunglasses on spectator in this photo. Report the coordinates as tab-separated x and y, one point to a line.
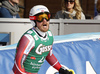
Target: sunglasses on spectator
71	1
40	17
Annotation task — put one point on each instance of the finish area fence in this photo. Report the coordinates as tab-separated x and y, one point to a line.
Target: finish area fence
16	27
79	52
77	41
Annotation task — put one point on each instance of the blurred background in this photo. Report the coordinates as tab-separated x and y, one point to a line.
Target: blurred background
88	6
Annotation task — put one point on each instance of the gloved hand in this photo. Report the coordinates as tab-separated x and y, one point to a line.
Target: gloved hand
63	70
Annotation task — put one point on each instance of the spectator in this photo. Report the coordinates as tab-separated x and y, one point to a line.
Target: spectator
9	9
71	9
0	4
98	10
35	45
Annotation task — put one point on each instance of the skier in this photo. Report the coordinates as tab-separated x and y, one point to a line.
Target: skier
35	45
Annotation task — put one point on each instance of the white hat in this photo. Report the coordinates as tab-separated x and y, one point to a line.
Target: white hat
36	10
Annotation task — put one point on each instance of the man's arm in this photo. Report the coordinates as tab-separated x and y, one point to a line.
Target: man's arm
25	45
52	60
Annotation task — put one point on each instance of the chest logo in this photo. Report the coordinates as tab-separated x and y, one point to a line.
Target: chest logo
42	48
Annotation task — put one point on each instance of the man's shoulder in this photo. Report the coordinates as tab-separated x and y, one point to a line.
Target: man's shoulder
49	33
5	13
30	31
3	10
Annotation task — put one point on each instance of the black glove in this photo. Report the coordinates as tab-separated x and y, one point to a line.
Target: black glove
62	70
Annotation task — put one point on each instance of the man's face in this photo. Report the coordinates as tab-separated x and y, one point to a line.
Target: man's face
43	26
15	1
42	21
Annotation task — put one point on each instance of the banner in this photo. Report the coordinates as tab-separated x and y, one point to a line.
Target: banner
79	52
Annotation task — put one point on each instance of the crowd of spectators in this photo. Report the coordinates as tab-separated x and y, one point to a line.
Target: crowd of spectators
70	9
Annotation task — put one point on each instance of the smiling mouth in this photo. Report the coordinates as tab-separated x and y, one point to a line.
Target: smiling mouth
45	25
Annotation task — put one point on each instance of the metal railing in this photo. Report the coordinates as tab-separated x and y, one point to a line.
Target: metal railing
58	26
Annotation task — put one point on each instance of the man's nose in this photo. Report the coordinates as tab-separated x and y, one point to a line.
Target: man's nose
44	19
